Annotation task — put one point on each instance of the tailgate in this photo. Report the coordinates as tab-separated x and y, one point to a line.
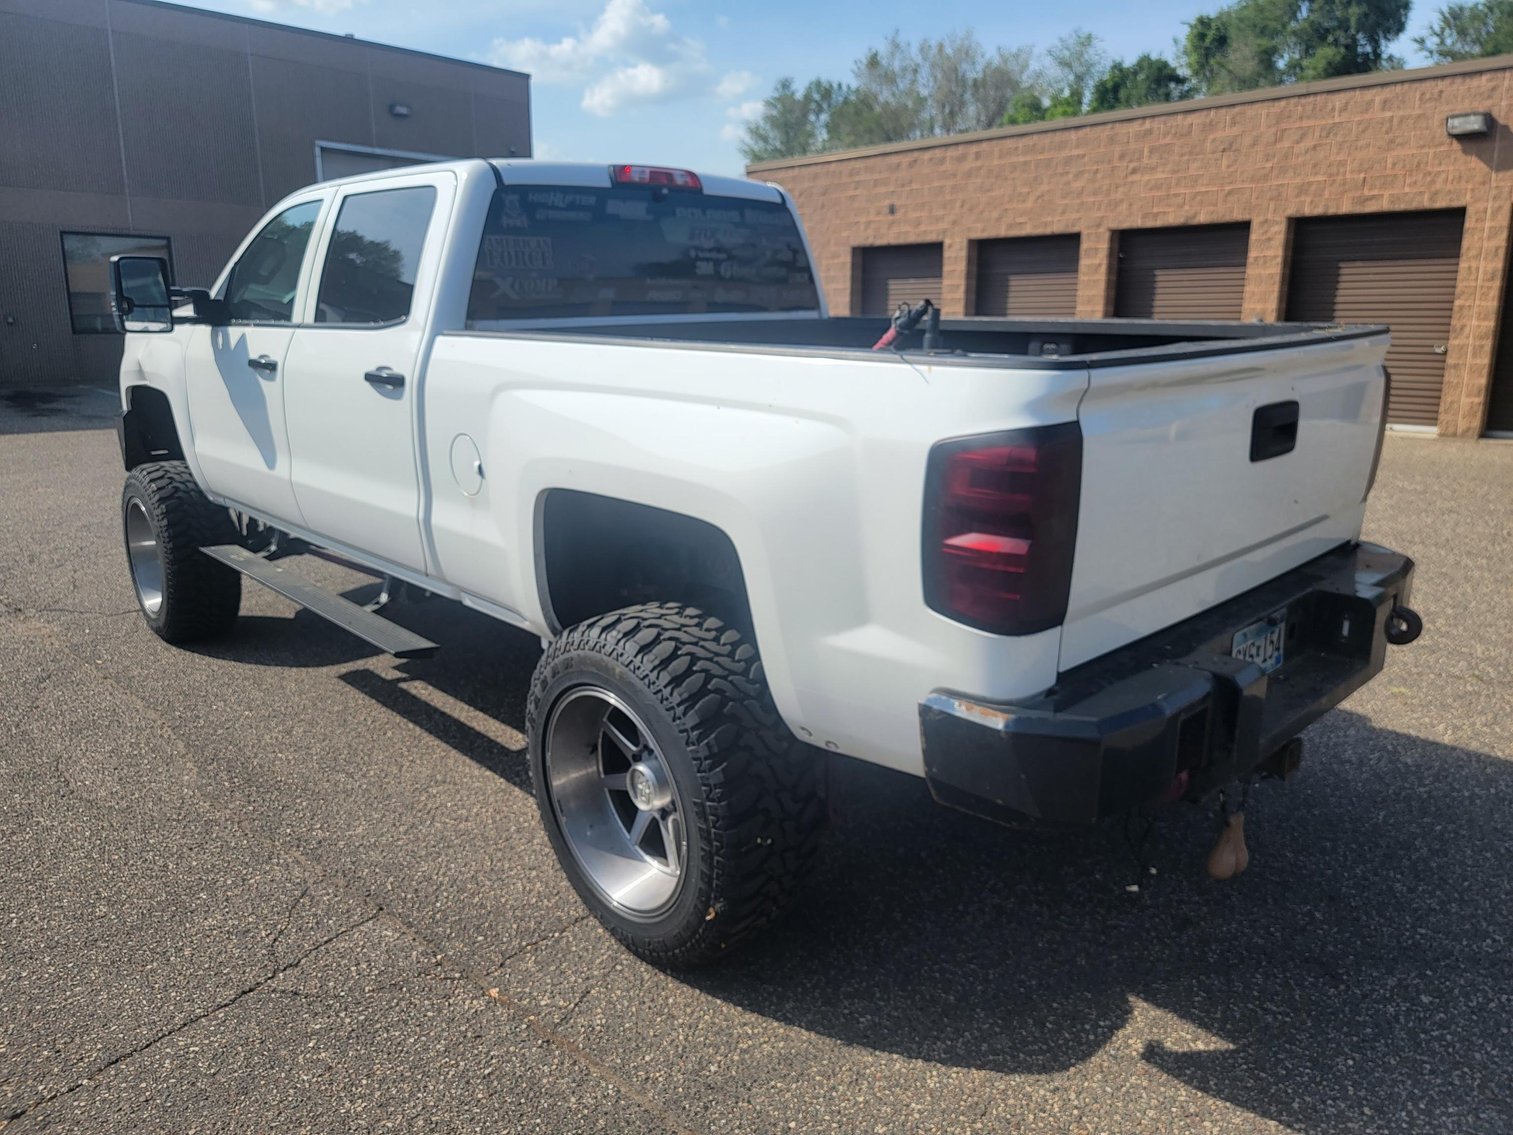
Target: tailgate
1179	514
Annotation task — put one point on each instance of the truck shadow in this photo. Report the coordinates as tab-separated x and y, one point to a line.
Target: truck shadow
298	641
1358	977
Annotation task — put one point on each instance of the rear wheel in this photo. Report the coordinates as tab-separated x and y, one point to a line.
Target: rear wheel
681	808
184	596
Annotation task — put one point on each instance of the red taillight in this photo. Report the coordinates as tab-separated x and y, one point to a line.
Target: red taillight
1000	528
656	175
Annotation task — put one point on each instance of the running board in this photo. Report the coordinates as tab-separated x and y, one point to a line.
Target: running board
389	637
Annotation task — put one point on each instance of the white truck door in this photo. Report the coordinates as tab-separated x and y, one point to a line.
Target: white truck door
233	373
351	382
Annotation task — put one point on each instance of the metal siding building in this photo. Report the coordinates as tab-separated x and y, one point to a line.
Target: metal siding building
172	126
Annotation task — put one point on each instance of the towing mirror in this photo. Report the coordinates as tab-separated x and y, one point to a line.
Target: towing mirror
139	296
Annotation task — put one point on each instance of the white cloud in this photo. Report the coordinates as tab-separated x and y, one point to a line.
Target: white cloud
629	56
324	7
643	83
735	84
738	117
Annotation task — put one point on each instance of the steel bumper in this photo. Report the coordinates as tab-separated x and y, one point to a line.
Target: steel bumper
1173	713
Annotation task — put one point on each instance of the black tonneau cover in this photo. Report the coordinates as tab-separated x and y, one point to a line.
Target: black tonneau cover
1054	343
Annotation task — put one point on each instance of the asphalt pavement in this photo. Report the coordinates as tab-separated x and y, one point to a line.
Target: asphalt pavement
283	884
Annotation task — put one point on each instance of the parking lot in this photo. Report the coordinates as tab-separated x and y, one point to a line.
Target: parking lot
284	884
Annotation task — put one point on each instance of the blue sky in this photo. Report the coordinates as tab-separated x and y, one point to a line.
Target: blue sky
669	81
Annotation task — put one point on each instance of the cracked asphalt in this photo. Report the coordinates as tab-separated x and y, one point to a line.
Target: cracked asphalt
284	884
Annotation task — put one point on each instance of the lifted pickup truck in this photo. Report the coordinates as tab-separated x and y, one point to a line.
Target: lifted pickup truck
1062	570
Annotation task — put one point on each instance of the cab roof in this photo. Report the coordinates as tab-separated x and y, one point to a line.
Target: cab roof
590	175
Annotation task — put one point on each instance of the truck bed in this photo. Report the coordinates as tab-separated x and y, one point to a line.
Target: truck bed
1060	343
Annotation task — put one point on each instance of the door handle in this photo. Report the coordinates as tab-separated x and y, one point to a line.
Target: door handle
263	363
1273	431
383	376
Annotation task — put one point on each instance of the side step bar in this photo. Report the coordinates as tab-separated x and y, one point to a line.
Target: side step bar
387	636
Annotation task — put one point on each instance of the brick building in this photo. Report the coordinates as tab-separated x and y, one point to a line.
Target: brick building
138	126
1342	200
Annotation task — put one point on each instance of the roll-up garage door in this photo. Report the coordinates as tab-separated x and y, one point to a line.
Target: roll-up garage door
1392	268
900	273
1027	277
338	161
1183	273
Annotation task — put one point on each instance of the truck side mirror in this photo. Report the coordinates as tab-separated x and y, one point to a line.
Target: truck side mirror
139	295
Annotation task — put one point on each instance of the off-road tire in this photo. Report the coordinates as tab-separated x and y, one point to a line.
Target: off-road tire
200	597
754	793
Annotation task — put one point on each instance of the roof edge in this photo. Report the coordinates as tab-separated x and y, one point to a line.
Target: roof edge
1154	110
234	17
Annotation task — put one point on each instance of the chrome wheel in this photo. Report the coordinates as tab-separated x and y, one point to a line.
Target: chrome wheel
146	558
615	801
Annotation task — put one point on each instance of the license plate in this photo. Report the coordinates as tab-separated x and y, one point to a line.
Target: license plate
1262	642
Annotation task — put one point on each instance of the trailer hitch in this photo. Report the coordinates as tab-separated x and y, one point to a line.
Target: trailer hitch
1229	856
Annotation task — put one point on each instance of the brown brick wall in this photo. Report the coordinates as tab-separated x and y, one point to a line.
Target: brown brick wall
1360	146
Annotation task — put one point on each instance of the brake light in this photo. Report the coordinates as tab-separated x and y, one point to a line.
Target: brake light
1000	527
656	175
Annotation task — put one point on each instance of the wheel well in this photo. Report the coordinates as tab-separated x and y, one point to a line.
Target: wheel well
599	554
148	432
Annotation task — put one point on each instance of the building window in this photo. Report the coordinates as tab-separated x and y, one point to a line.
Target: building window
86	263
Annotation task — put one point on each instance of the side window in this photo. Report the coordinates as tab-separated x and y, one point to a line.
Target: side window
369	274
261	286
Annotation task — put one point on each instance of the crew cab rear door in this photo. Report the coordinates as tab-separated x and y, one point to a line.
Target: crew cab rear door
351	374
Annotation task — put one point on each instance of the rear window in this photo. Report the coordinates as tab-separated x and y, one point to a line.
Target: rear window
562	252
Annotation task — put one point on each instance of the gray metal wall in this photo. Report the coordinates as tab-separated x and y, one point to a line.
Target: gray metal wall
131	116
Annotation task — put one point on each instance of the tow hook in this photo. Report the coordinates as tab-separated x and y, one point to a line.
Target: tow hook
1403	626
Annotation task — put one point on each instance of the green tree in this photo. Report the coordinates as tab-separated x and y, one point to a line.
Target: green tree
792	122
1027	106
1075	62
899	91
1469	31
1260	43
1237	48
1343	37
1149	79
1063	86
946	86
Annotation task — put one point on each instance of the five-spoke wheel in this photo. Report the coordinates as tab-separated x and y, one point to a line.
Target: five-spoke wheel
619	809
680	807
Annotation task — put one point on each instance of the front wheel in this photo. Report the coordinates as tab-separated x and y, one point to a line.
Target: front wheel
185	596
680	806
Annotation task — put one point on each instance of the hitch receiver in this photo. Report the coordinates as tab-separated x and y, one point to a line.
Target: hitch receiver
1282	762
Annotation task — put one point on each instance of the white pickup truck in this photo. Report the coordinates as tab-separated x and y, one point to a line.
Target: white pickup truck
1062	570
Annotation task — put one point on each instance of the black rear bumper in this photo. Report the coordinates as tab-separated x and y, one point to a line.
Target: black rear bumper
1172	712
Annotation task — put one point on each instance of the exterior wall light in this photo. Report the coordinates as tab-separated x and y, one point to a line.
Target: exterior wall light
1472	124
402	109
